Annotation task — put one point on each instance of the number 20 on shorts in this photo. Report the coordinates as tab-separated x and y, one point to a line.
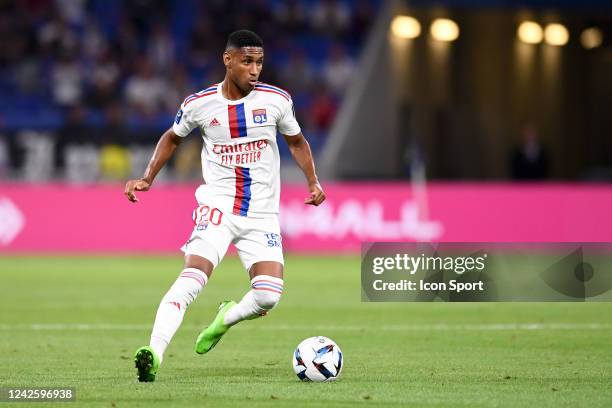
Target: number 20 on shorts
204	214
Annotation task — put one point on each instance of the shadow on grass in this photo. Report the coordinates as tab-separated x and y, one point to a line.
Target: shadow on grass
233	374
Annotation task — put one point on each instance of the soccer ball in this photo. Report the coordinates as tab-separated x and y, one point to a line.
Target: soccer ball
317	359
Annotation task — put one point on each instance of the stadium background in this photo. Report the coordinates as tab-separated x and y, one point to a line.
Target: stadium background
484	137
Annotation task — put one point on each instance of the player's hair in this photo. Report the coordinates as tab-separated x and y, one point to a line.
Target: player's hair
243	38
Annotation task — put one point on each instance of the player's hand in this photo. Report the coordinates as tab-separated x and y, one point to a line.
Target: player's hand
135	185
317	195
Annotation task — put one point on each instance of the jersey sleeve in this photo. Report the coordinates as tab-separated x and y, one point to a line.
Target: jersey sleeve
184	121
288	124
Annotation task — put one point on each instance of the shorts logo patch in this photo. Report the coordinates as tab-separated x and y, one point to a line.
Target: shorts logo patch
259	116
200	217
273	240
179	116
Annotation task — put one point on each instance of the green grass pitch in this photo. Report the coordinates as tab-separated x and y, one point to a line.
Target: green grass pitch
76	321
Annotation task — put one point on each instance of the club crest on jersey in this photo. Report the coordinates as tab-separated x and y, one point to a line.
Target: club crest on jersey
259	116
179	116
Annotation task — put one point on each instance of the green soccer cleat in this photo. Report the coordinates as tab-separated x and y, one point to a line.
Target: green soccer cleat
147	364
210	336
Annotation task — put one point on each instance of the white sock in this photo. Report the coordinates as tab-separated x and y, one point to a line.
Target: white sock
173	306
264	295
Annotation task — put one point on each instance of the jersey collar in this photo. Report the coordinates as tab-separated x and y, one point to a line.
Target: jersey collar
229	101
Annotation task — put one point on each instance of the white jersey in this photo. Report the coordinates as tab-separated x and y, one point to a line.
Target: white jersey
240	158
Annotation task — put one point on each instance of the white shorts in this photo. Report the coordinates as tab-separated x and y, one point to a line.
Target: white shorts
256	239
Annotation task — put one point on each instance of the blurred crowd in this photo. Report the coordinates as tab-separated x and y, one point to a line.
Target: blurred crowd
105	77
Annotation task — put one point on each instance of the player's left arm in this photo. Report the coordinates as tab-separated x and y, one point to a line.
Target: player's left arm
300	150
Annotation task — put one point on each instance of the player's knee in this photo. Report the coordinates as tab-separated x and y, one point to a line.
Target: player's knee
267	291
266	300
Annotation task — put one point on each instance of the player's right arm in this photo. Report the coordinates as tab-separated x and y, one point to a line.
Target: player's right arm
165	148
184	123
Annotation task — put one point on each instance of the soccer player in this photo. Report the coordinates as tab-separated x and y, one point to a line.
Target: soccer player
239	200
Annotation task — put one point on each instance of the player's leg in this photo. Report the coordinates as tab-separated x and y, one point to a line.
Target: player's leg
203	252
170	313
260	251
265	292
266	289
181	294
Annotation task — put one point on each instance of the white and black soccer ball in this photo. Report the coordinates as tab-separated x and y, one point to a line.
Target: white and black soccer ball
317	359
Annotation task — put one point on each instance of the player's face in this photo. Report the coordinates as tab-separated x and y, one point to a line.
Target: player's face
244	66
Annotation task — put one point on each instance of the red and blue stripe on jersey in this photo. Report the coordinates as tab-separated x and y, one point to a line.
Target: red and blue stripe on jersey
243	191
237	120
261	87
237	125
